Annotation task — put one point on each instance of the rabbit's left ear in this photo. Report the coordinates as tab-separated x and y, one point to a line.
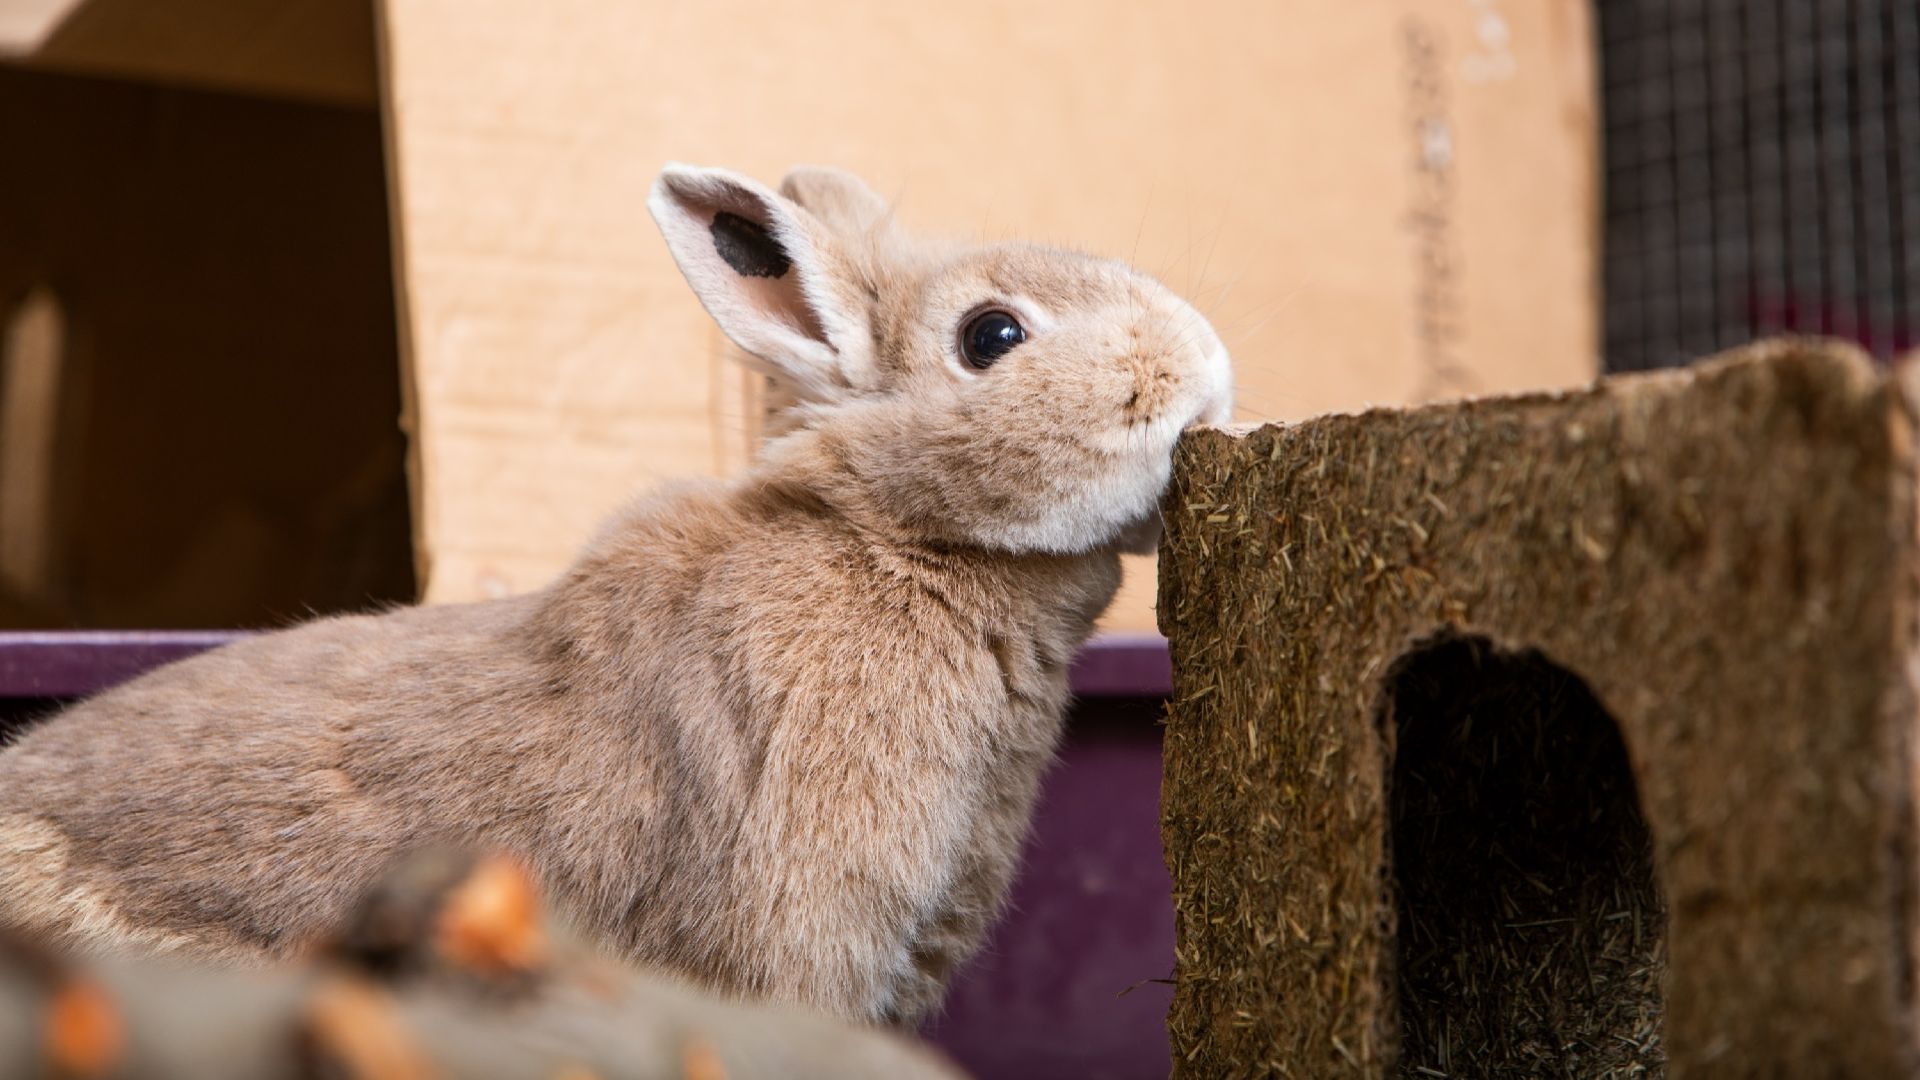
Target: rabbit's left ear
775	278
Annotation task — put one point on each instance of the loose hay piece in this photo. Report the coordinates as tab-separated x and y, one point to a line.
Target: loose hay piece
1414	653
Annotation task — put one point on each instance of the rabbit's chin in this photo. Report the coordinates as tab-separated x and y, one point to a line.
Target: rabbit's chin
1140	538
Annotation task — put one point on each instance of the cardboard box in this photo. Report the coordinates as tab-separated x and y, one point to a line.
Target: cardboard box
1374	203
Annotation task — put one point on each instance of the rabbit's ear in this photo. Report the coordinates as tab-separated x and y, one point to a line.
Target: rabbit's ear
839	199
776	278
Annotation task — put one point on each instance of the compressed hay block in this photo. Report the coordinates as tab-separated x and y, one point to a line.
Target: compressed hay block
1564	734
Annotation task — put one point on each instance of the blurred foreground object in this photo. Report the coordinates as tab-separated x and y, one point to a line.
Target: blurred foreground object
447	972
1552	735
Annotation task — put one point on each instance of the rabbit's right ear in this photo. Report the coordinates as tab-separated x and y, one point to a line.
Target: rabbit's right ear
840	200
772	275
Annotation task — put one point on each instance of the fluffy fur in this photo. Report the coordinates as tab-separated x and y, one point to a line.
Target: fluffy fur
781	734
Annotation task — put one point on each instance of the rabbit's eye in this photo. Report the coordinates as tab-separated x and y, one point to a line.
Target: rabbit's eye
989	336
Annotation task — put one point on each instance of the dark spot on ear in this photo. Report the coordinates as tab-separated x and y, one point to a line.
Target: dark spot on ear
747	247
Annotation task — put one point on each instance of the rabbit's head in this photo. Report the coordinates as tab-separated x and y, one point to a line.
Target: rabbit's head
1010	396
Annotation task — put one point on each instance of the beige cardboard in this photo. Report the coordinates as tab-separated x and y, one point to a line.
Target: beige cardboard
1376	203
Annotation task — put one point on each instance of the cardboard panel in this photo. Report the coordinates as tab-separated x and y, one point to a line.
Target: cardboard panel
319	50
1375	203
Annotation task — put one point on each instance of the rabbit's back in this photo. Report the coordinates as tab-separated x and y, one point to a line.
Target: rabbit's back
740	739
235	802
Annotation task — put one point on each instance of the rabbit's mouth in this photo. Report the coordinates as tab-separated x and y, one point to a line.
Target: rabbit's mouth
1217	409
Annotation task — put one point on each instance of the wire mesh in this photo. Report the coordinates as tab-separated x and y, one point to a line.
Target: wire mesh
1762	174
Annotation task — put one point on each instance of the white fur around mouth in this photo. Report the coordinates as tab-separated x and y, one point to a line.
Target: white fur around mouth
1218	410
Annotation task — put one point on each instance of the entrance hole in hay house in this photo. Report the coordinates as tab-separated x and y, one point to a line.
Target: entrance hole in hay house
1531	933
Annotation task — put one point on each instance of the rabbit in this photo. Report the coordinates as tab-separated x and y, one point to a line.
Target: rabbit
781	734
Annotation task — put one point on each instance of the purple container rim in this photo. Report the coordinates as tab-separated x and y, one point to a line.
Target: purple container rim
75	663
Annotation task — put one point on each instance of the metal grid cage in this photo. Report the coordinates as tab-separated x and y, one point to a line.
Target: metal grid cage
1762	174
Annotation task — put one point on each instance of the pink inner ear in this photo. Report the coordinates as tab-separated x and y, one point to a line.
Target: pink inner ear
768	278
781	300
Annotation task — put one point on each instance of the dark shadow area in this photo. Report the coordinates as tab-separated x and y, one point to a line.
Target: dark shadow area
199	359
17	714
1532	936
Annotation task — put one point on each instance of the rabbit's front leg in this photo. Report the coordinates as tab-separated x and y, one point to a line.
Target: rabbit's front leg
944	942
840	862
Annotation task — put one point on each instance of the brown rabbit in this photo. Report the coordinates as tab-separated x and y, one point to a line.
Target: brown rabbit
782	734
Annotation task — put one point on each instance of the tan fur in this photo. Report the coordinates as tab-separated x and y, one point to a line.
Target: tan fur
40	891
781	734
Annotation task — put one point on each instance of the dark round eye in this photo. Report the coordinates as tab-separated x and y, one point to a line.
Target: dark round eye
989	336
